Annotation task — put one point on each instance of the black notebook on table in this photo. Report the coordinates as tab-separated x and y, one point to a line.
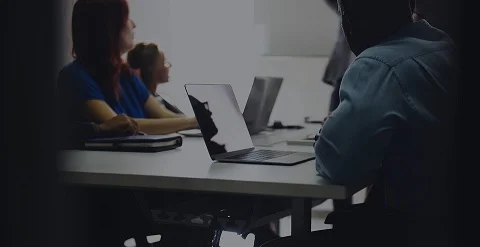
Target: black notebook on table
138	143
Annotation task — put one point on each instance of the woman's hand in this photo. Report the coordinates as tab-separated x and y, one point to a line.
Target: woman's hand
118	126
193	124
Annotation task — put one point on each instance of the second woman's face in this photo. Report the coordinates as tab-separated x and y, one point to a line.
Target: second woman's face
161	70
127	37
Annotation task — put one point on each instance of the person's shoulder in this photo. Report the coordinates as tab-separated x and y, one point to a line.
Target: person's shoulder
133	79
365	71
136	84
66	74
72	71
416	40
388	54
366	64
70	68
74	74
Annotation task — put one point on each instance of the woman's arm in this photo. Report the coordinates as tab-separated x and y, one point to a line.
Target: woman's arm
99	112
170	121
80	132
156	126
156	110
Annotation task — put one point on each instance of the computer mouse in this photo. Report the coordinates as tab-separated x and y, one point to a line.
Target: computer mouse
277	125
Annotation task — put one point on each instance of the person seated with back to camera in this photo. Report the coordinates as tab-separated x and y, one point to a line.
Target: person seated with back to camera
149	63
98	84
393	128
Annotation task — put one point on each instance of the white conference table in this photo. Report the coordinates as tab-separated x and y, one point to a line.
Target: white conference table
189	168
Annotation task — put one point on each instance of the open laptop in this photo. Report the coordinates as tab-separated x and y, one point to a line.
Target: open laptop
260	103
225	132
259	106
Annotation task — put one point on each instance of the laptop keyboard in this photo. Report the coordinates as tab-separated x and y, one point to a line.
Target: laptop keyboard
260	155
267	139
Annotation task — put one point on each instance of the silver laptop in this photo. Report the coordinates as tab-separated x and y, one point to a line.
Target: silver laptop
225	132
260	103
259	106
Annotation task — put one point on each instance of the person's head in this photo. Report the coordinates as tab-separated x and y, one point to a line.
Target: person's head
101	33
151	63
367	23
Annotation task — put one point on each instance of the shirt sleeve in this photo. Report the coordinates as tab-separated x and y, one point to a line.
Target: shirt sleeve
141	89
79	85
352	143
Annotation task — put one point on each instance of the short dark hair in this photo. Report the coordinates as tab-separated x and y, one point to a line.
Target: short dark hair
383	8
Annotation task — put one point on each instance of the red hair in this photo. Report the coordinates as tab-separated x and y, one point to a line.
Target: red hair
96	27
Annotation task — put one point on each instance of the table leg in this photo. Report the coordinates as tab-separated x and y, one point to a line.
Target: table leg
301	216
342	204
141	241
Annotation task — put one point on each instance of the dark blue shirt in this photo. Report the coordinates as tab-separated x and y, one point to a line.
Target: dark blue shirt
394	118
76	87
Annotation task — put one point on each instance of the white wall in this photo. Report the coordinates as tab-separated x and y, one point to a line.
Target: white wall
153	19
296	27
303	93
213	42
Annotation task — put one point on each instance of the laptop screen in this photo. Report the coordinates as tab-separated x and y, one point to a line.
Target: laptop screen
260	103
219	117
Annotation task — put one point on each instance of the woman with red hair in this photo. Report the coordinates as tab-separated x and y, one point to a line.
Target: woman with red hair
98	85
